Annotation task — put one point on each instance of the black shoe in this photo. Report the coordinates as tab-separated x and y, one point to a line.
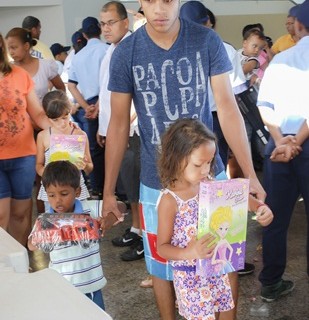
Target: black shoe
248	269
273	292
136	252
126	240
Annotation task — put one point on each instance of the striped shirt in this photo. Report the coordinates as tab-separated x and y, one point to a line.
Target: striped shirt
81	267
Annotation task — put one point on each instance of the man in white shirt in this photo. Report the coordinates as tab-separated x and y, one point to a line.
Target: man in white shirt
84	87
115	25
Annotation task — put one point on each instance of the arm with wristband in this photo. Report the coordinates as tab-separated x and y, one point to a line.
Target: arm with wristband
264	215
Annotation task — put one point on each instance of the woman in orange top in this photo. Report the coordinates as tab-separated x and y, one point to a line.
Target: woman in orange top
19	106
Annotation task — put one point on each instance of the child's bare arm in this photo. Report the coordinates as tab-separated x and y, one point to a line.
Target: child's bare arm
196	248
249	66
40	155
89	165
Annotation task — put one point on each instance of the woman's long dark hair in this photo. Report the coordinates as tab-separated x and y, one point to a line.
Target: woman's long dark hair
23	35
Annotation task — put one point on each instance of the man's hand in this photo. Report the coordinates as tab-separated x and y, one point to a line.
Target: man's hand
286	150
100	140
110	213
92	111
107	222
256	189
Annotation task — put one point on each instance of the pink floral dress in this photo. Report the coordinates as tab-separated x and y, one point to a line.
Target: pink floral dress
198	297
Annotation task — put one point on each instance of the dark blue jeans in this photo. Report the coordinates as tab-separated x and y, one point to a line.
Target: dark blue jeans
79	118
283	183
97	298
222	144
90	126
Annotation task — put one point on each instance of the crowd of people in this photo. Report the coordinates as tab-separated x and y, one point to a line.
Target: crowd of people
158	109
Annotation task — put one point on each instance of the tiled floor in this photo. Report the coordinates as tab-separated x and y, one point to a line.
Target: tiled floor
125	300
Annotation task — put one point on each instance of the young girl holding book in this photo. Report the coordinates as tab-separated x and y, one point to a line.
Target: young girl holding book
57	108
186	158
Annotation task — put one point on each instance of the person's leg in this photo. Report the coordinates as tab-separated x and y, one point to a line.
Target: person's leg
165	297
135	215
257	150
97	298
20	220
126	176
232	314
158	267
225	298
5	209
227	315
222	144
301	167
97	156
5	196
129	175
280	184
21	176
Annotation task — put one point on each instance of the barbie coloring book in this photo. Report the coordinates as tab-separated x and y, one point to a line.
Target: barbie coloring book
223	210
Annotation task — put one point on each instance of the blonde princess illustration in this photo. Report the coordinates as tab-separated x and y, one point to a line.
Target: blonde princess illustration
220	223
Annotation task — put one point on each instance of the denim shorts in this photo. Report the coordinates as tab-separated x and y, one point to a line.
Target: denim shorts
17	177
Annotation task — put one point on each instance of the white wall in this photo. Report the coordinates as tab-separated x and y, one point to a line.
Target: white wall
51	18
61	18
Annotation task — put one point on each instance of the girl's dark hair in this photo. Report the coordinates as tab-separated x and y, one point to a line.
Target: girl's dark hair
62	173
255	32
5	66
178	142
23	35
55	104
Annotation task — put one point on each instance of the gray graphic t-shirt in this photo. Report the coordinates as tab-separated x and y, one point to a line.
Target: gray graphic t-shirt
167	84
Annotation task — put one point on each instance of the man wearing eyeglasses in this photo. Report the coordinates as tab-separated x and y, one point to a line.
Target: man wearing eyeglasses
115	27
84	87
